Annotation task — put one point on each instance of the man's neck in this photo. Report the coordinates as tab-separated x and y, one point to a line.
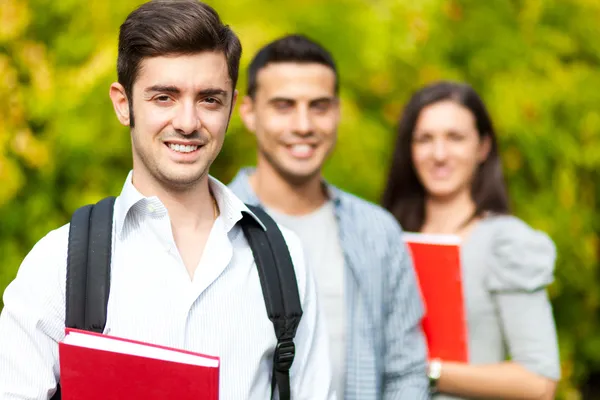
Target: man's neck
449	214
192	213
282	196
189	209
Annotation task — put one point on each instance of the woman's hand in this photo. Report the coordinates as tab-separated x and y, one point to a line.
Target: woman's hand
494	381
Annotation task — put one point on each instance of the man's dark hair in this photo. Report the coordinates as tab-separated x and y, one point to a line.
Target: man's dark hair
404	194
291	48
166	27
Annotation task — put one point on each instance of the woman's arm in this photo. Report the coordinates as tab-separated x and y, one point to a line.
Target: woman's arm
521	266
505	381
530	337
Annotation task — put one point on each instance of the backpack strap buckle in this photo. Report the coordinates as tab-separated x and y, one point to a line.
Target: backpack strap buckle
284	355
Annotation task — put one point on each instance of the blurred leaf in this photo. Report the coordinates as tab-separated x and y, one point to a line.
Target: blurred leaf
536	64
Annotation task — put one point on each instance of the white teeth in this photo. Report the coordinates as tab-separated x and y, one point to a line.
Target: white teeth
301	149
182	148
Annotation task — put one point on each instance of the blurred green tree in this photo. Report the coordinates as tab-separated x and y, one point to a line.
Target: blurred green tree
536	63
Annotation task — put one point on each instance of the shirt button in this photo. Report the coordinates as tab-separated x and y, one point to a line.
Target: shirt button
150	208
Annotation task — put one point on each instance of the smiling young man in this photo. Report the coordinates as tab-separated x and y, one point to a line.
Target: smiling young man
364	276
182	272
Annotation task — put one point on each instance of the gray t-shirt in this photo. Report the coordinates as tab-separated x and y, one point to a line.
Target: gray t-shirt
318	232
506	266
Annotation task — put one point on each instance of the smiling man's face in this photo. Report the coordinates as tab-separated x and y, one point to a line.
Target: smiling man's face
294	115
182	105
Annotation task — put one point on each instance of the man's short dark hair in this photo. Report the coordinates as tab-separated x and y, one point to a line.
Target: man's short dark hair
291	48
166	27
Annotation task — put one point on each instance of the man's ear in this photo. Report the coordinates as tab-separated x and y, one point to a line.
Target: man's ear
247	113
120	103
234	99
338	109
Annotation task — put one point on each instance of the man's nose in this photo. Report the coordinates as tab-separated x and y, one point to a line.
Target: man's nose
302	122
187	120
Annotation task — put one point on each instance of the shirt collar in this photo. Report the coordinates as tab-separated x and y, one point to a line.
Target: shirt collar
230	206
241	184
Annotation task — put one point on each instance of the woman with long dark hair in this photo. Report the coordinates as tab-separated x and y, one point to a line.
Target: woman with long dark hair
446	177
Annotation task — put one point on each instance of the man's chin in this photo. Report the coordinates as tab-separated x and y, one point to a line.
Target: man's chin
182	180
300	177
295	172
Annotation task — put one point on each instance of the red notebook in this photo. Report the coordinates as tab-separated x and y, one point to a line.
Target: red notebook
97	367
436	259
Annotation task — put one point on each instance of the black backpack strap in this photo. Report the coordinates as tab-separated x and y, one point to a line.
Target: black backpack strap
280	291
77	256
88	266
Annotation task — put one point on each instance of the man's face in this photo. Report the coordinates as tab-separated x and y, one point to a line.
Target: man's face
294	115
182	105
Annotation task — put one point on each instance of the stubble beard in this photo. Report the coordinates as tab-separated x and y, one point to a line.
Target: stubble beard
168	179
288	176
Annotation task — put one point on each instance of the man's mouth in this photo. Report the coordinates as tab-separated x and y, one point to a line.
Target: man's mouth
182	148
301	150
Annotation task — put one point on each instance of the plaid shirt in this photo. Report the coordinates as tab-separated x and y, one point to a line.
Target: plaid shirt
386	351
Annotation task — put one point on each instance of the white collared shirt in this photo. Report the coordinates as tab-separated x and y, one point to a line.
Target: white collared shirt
220	312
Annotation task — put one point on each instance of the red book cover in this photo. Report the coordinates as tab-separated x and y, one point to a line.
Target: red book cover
436	259
132	370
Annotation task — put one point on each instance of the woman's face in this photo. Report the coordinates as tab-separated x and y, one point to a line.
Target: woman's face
446	149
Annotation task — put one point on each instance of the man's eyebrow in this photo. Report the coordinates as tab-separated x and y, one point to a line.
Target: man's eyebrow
281	99
212	92
163	89
313	101
176	90
322	99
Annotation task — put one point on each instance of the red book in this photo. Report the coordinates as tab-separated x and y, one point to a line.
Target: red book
436	259
98	367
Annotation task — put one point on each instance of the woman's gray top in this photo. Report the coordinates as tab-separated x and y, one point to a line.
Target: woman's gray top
506	266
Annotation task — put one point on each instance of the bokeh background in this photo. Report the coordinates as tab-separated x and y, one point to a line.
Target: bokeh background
535	62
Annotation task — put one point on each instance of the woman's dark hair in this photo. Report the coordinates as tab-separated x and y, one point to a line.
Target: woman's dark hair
404	195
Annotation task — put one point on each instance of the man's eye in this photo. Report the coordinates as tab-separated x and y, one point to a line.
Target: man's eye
322	106
282	105
163	98
211	100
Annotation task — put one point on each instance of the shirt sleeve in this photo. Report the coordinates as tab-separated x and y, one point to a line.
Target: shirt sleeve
310	374
32	322
405	375
521	269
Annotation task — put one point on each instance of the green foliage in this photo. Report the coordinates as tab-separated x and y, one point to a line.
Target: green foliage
536	63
